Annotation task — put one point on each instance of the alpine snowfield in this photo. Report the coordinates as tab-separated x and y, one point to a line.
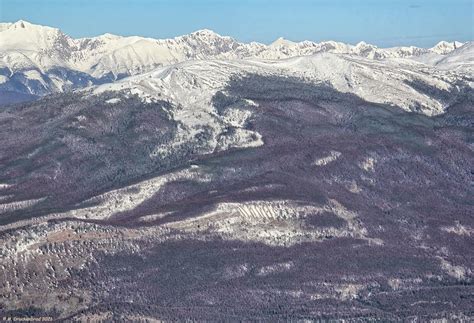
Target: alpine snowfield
401	83
37	60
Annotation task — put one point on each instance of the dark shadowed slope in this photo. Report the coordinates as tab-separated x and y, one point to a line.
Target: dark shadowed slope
348	210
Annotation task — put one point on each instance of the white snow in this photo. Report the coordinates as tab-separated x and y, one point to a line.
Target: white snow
192	84
462	230
444	47
34	75
129	197
333	155
275	268
34	46
460	59
282	42
18	205
113	100
368	164
276	223
458	272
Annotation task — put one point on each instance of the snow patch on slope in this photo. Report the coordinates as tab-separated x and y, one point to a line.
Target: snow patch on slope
191	85
276	223
333	155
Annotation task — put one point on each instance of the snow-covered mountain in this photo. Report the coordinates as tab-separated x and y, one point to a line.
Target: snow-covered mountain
400	83
198	178
38	60
444	47
460	59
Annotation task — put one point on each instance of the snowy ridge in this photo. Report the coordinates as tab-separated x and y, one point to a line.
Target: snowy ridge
192	84
460	59
61	63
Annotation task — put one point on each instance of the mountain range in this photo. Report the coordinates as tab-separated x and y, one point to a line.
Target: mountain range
37	60
203	179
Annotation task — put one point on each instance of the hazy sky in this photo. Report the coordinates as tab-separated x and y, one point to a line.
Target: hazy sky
382	22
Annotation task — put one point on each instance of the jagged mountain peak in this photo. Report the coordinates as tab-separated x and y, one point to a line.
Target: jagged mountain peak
23	35
205	32
23	25
27	48
281	41
205	35
445	47
107	36
363	44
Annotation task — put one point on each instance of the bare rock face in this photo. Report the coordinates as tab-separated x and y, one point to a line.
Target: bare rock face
235	197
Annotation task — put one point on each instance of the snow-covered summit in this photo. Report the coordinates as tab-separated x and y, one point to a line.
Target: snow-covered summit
194	83
444	47
23	35
38	60
281	42
205	33
459	60
47	47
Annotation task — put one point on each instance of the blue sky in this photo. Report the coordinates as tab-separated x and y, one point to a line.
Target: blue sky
381	22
